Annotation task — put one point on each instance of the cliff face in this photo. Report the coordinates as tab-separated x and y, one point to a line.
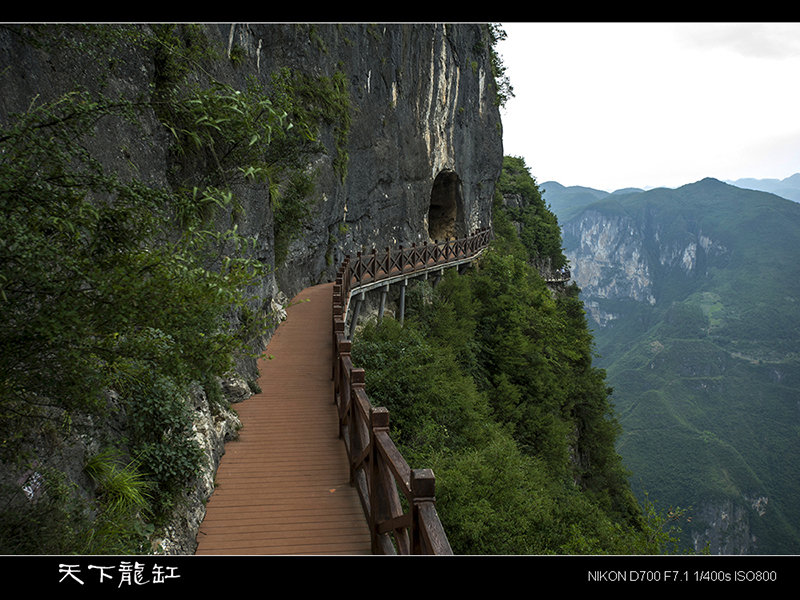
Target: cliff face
422	147
425	128
609	261
627	257
425	134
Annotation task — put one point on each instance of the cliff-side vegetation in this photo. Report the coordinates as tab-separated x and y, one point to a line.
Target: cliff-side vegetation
490	382
118	295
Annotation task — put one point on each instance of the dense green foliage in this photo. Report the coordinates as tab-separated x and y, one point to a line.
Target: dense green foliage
309	102
114	287
503	89
706	379
539	231
490	382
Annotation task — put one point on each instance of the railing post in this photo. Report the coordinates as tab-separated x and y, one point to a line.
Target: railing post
356	312
378	502
423	486
359	267
427	535
357	380
342	348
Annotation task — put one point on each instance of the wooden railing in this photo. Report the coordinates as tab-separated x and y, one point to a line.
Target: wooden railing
557	276
398	501
376	268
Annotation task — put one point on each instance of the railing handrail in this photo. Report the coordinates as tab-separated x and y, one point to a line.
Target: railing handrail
377	468
402	261
558	276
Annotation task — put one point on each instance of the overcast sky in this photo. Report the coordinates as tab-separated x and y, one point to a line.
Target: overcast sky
613	105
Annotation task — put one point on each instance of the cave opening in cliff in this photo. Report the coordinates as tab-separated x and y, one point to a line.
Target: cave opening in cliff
445	207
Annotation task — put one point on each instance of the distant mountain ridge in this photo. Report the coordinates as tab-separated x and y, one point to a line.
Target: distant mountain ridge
693	294
788	188
567	199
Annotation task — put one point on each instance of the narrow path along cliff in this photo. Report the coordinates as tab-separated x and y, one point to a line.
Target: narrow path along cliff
283	486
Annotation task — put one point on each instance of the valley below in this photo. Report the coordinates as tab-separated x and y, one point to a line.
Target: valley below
693	296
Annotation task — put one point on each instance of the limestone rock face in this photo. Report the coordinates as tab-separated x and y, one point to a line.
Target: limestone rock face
424	147
610	260
725	527
620	257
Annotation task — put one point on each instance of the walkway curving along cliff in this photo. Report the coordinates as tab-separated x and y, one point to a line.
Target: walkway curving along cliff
314	470
283	486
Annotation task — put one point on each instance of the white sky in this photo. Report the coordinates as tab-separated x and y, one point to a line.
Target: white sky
613	105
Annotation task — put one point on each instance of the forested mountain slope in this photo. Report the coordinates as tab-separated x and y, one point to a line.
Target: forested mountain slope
694	299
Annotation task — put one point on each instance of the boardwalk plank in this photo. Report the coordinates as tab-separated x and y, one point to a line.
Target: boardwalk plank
283	486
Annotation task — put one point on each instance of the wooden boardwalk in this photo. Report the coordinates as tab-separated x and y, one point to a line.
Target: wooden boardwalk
283	486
